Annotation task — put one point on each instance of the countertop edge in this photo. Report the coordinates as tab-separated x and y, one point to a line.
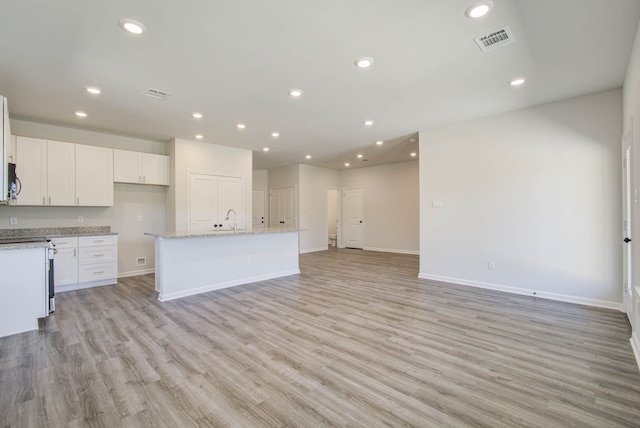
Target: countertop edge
220	233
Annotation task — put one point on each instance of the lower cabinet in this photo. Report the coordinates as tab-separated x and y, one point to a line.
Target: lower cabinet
86	261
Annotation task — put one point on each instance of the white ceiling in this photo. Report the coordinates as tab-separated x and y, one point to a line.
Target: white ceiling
235	61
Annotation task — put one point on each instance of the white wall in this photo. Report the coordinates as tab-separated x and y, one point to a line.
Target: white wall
313	209
205	158
536	191
130	200
391	205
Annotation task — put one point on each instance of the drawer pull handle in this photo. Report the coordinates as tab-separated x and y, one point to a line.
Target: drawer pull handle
98	255
98	272
98	240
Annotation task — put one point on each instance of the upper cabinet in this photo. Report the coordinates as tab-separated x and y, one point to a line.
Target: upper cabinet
94	176
46	170
54	173
140	168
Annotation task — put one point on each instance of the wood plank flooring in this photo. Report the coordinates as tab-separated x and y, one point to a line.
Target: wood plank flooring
355	340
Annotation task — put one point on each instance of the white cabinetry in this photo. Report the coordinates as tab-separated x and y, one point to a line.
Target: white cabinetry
63	174
140	168
87	261
94	176
98	258
65	261
23	289
210	198
47	172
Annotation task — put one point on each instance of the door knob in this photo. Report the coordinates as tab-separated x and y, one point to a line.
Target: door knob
627	240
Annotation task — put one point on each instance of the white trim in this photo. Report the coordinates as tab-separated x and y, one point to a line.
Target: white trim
83	285
314	250
221	285
527	292
635	345
135	273
389	250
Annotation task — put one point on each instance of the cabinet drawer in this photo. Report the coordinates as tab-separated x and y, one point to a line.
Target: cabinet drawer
91	255
96	271
92	241
65	242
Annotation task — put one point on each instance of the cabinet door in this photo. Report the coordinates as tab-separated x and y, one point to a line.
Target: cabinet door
94	176
203	202
155	169
61	173
230	198
31	169
127	166
65	266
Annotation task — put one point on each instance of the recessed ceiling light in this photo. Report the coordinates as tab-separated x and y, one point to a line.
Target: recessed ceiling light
93	90
199	136
414	154
364	62
241	126
360	155
368	122
132	26
295	92
81	114
478	10
517	82
347	164
379	142
308	157
265	149
275	134
197	115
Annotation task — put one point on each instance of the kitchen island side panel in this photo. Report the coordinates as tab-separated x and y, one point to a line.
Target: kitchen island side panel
188	266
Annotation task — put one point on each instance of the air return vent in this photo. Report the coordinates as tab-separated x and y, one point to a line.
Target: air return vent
495	39
156	93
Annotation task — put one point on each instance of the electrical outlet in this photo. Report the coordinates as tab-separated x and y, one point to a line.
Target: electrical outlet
139	219
491	266
13	220
141	261
80	219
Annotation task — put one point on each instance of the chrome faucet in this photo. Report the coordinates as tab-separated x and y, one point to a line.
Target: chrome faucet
235	219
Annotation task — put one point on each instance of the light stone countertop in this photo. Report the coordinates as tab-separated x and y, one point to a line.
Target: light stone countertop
225	232
23	245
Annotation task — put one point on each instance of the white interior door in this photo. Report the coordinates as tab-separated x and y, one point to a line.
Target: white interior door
230	198
203	202
353	218
258	208
627	245
283	207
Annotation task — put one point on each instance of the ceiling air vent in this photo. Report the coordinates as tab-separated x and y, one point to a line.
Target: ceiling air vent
156	93
495	39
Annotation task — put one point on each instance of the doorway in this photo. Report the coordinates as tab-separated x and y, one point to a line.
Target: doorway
333	226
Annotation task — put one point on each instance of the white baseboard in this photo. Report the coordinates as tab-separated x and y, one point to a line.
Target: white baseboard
83	285
390	250
526	292
135	272
635	345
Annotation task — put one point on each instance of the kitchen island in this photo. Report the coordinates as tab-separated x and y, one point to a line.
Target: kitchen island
196	262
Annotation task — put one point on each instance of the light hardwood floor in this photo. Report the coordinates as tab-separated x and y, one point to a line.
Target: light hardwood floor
355	340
